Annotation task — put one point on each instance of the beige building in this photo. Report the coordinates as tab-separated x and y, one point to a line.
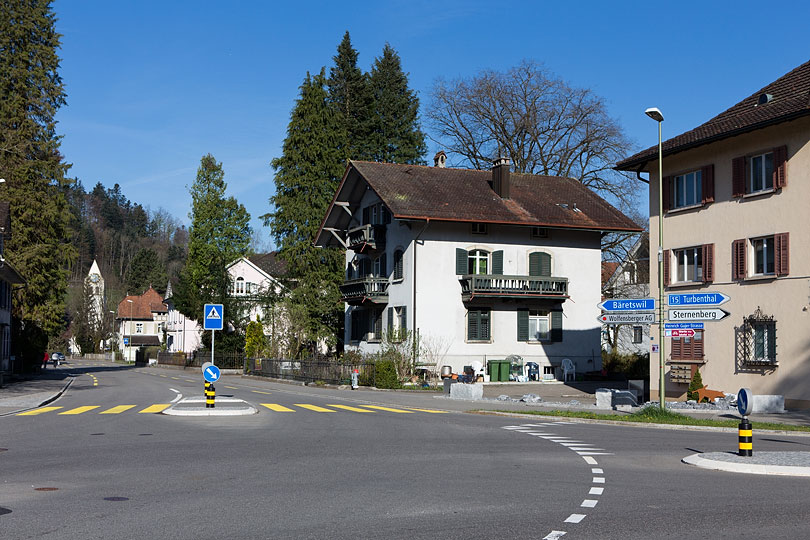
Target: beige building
736	193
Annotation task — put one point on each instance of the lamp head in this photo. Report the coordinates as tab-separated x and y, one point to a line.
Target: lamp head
655	114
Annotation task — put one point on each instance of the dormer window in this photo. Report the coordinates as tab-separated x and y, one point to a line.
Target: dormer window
479	228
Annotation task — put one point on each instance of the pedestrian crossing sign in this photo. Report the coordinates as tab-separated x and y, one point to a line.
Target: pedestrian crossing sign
213	315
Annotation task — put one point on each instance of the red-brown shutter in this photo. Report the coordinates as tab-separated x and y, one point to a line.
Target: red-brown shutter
780	167
708	263
738	177
666	268
738	259
707	183
677	348
697	345
666	189
782	261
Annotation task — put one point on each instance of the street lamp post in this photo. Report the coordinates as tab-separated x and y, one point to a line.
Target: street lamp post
129	344
656	115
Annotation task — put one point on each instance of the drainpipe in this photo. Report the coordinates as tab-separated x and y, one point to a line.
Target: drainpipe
413	274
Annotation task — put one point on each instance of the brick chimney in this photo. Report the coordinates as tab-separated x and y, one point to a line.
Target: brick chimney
500	177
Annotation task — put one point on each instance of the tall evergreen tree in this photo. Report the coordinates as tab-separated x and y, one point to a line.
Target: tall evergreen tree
220	233
349	94
306	177
31	92
146	270
395	135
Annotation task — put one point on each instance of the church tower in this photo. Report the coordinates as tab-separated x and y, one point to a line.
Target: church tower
96	284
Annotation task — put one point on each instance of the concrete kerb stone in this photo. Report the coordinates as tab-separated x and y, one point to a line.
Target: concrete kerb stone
38	401
760	463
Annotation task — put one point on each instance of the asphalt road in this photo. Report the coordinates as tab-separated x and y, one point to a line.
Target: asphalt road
362	471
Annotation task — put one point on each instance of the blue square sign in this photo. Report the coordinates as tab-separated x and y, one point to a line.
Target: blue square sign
213	315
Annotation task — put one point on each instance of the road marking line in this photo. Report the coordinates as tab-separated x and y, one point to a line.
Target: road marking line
80	410
164	376
589	460
598	480
432	411
554	535
176	378
156	408
312	407
355	409
117	409
178	397
39	411
589	503
276	407
594	453
190	380
576	444
575	518
260	392
596	491
387	409
232	387
597	471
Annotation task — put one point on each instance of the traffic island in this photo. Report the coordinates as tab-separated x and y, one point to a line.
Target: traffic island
776	463
225	406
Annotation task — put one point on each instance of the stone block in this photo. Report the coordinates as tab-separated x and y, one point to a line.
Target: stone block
604	398
764	403
624	397
467	391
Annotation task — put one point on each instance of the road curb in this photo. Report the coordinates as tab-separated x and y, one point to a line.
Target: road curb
746	468
45	402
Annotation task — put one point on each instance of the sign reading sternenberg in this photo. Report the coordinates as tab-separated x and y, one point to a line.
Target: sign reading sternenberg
708	314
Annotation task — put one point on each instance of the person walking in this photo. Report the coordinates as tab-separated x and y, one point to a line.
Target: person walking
45	360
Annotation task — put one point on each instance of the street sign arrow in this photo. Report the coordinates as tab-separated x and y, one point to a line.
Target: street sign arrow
697	299
708	314
211	374
627	318
627	304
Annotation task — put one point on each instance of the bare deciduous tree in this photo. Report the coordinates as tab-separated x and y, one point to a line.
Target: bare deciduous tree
544	125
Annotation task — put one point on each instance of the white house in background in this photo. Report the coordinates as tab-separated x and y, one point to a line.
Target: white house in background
489	264
630	278
141	322
182	334
254	279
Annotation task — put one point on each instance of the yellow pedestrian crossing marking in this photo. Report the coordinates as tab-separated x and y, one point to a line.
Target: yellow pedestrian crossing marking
432	411
118	409
39	411
276	407
80	410
165	376
232	387
346	407
155	408
312	407
259	392
176	378
387	409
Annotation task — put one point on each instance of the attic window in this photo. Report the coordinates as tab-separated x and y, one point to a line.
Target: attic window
479	228
539	232
764	98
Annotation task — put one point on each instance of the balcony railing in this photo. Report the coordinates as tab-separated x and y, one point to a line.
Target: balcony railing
367	238
366	289
498	286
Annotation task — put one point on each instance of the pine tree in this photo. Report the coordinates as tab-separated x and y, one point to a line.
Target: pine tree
147	270
349	94
395	135
31	92
306	177
219	234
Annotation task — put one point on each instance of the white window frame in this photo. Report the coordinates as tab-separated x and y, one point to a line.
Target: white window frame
476	256
536	317
686	184
686	258
638	334
139	328
767	245
239	286
758	165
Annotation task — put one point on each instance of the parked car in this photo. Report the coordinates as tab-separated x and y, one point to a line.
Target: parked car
57	358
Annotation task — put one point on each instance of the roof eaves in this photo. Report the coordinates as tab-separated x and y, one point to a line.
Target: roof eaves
520	223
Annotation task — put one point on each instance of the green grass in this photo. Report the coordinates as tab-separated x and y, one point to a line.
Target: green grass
655	415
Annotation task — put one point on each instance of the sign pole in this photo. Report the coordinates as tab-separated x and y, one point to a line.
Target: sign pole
212	346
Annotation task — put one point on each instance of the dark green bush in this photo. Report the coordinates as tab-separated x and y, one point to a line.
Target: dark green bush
386	374
632	366
695	385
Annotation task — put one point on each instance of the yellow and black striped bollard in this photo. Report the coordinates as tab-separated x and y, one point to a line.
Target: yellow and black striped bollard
210	395
746	437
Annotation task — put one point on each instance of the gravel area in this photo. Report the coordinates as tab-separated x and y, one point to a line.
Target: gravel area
787	459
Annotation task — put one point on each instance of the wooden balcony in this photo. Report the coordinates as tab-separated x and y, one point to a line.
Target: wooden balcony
367	238
366	289
498	286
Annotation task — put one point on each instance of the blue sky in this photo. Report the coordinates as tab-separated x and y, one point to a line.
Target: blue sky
154	85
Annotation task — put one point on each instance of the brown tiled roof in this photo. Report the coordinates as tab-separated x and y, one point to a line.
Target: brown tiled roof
791	99
142	306
140	339
270	263
608	269
446	194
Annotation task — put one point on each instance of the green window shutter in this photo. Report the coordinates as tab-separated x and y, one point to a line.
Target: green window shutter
383	265
472	325
523	325
366	216
403	321
545	264
534	264
497	262
461	261
484	329
556	326
398	268
390	320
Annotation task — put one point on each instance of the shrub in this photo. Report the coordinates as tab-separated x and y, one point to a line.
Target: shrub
695	385
632	366
386	374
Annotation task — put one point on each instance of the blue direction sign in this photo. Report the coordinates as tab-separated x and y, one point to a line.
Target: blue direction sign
211	373
697	299
213	315
126	341
628	304
684	326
